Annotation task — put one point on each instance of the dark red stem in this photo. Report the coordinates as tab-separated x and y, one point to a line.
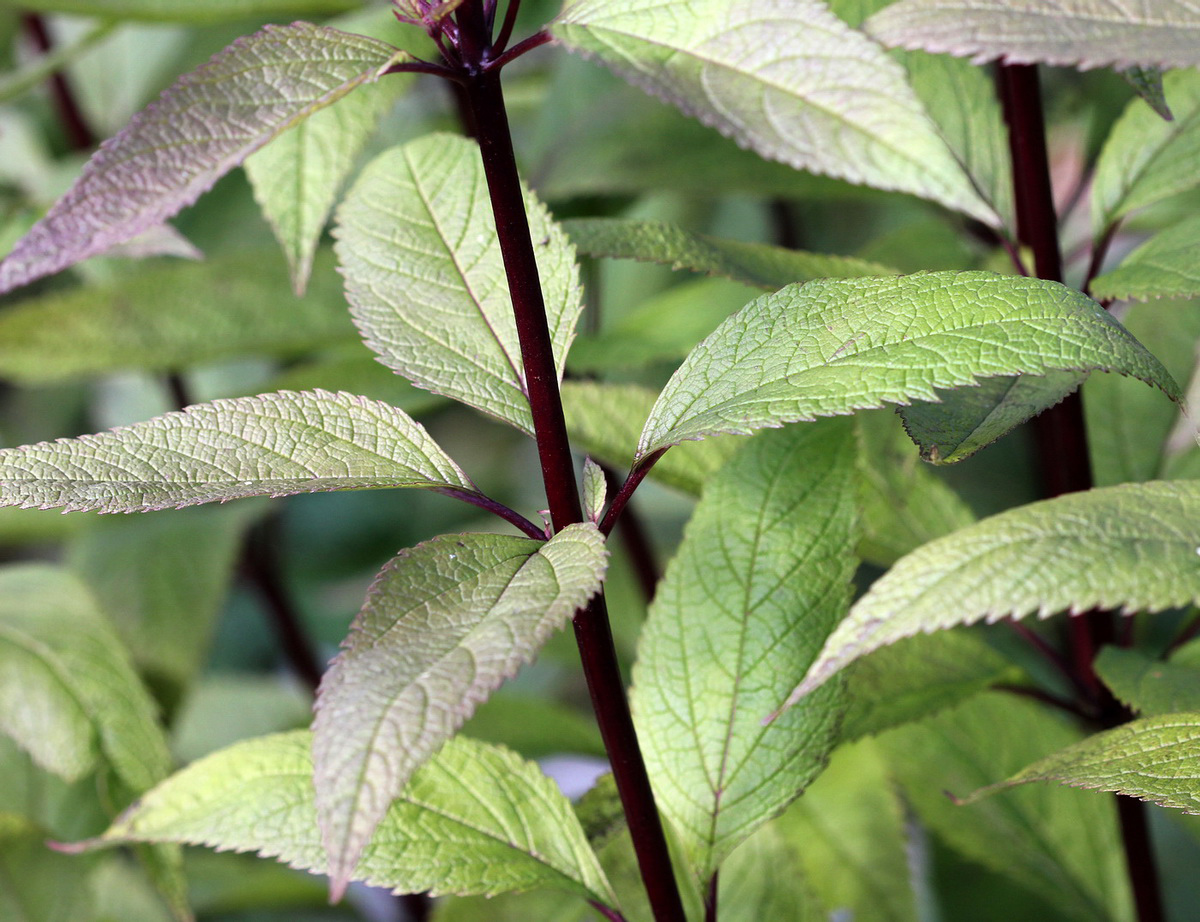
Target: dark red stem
75	126
710	898
499	509
636	476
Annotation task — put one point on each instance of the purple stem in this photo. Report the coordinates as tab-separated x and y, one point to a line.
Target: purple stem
636	476
490	505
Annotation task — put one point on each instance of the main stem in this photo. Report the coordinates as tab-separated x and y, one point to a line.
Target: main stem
485	103
1062	446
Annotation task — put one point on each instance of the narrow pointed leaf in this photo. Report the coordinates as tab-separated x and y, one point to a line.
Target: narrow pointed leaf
1147	685
595	488
1082	33
970	418
1147	82
785	78
1145	159
442	627
1165	266
475	819
833	346
425	276
190	11
270	445
755	264
1131	547
198	130
1154	759
762	574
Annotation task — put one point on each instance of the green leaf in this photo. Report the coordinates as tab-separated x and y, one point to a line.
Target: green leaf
191	11
1147	82
814	93
762	574
903	503
1153	759
425	276
1165	266
832	346
65	664
534	725
1131	547
297	177
604	419
444	624
761	881
1062	844
970	418
37	884
223	708
198	130
170	317
270	445
1147	685
353	368
1082	33
475	819
1146	159
754	264
595	488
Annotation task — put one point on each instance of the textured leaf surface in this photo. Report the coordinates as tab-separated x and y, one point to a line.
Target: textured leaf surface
475	819
1132	547
786	78
1062	844
297	177
270	445
1149	686
1083	33
970	418
190	11
73	668
833	346
442	627
595	489
1155	758
762	574
199	129
171	317
1145	159
1165	266
426	282
755	264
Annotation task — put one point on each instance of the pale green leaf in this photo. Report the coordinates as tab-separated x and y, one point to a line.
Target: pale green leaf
849	831
1154	758
762	880
170	317
270	445
425	276
199	129
1132	547
903	503
444	624
223	708
297	177
604	420
1147	82
1165	266
37	884
16	84
786	78
833	346
762	575
1082	33
595	489
1147	685
534	725
1146	159
475	819
191	11
1062	844
353	368
970	418
76	667
755	264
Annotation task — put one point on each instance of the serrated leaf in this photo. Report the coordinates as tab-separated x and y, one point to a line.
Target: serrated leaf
1145	159
970	418
269	445
1147	685
1165	266
762	574
595	488
190	11
425	276
297	177
755	264
77	669
171	317
786	78
1147	82
1082	33
199	129
1153	759
833	346
444	624
1132	547
476	819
